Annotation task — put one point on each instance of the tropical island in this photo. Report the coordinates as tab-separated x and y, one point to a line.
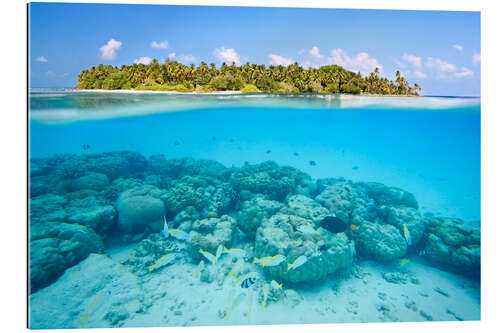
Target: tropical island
247	78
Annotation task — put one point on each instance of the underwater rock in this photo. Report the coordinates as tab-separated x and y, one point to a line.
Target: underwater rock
208	234
379	242
46	204
398	216
268	178
305	207
90	290
57	246
393	196
179	167
292	298
90	181
254	211
454	244
91	212
139	208
117	186
395	277
346	200
326	253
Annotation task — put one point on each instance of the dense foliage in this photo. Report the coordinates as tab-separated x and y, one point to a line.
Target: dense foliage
249	78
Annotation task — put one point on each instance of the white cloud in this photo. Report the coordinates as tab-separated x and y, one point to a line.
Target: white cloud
227	55
440	65
464	72
171	56
314	52
458	47
420	75
279	60
108	51
50	73
413	59
41	59
476	58
187	59
159	45
143	60
361	62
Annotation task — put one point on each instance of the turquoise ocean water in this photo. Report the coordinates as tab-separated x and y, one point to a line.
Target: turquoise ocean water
427	146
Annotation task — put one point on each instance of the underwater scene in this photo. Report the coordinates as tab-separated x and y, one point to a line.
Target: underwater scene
169	209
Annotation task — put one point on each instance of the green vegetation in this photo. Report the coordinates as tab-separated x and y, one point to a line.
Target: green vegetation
247	78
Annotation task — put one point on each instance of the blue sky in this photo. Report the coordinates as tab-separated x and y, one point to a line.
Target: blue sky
438	50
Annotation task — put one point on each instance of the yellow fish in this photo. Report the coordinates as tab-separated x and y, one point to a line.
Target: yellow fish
270	261
407	234
246	276
91	308
404	261
297	263
179	234
218	254
210	257
277	285
238	253
233	303
266	291
166	259
201	265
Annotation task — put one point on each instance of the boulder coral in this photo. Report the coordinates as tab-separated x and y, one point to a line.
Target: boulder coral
254	211
326	253
270	179
379	242
55	246
454	244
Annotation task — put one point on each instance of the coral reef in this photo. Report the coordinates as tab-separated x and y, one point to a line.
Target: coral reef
379	242
254	211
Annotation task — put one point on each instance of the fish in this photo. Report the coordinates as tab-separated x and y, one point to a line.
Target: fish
266	291
139	236
248	282
297	263
276	285
307	229
165	228
246	276
312	163
85	146
218	253
179	234
91	308
354	227
176	142
407	234
404	261
228	309
268	152
231	140
233	303
270	261
214	138
333	224
236	268
201	265
295	154
212	214
238	253
355	167
210	257
165	260
422	253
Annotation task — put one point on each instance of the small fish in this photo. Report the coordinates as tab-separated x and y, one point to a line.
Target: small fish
266	291
210	257
354	227
247	276
166	259
139	236
268	152
270	261
201	265
236	268
179	234
295	154
312	163
212	214
91	308
233	303
214	138
276	285
422	253
307	229
248	282
85	146
218	253
407	234
355	167
297	263
176	142
238	253
165	228
404	261
333	224
231	140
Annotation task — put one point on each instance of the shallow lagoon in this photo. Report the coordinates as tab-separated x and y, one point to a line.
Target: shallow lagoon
429	147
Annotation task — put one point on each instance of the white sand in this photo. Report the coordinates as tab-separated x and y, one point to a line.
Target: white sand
181	299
